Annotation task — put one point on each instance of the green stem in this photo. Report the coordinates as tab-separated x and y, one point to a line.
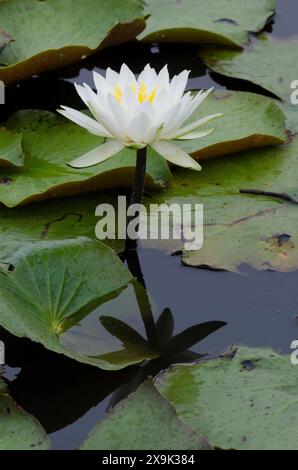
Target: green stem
137	192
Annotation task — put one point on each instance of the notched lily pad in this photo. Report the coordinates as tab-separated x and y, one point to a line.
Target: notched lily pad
11	152
247	402
5	38
18	430
49	34
250	121
144	420
268	62
49	143
250	209
56	292
213	22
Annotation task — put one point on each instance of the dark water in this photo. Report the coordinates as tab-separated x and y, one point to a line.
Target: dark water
259	308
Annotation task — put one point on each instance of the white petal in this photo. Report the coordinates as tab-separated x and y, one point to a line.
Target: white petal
148	76
190	127
126	77
138	128
111	77
163	79
174	154
84	121
196	134
178	85
97	155
101	84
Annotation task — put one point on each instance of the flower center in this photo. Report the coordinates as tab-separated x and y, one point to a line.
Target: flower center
140	91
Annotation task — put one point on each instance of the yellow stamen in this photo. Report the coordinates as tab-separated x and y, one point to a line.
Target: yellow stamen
142	92
151	98
118	92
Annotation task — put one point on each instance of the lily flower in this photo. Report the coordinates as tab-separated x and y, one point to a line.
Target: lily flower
129	112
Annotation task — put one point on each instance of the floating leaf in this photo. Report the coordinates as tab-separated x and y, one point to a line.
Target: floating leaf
213	22
11	153
18	430
5	38
143	421
250	121
258	227
269	63
248	402
59	219
49	143
49	34
55	292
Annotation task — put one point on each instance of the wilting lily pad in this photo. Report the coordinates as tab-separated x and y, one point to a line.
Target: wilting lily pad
249	121
55	293
11	153
260	230
49	34
144	420
18	430
245	402
270	63
49	143
212	22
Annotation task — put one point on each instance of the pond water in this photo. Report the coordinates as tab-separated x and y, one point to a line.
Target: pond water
259	308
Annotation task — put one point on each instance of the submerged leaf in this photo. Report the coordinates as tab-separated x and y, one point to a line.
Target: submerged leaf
49	34
143	421
18	430
245	402
212	22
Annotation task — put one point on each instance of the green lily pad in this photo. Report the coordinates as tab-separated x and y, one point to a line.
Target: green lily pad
269	63
240	229
49	143
59	219
250	121
248	402
49	34
19	430
5	38
56	292
11	153
214	22
143	421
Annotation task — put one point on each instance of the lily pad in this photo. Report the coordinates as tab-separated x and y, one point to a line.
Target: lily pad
269	63
56	292
248	402
143	421
214	22
11	152
256	227
5	38
59	219
49	34
49	143
250	121
19	430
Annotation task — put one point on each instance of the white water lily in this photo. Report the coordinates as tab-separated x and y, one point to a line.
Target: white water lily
130	112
